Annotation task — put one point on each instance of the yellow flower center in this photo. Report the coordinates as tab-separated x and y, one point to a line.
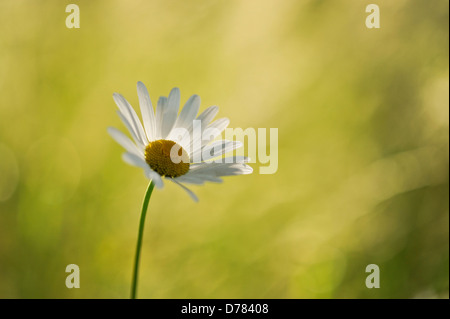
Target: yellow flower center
167	158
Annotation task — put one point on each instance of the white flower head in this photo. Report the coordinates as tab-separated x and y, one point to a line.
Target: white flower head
178	147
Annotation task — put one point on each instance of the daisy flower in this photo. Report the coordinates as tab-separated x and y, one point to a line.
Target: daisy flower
176	147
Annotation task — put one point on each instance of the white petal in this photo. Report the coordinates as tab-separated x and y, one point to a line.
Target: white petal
236	159
132	131
162	104
230	171
199	178
155	177
214	129
124	141
193	196
170	112
128	112
205	118
217	148
189	112
138	161
208	115
190	180
222	169
148	116
135	160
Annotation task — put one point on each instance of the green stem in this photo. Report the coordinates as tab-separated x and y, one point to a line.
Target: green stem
148	194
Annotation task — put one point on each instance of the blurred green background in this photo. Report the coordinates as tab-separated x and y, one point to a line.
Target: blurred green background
363	128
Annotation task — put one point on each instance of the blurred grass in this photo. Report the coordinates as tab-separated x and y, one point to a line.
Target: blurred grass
363	149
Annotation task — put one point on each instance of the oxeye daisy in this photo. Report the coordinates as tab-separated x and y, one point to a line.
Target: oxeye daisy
175	147
166	147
